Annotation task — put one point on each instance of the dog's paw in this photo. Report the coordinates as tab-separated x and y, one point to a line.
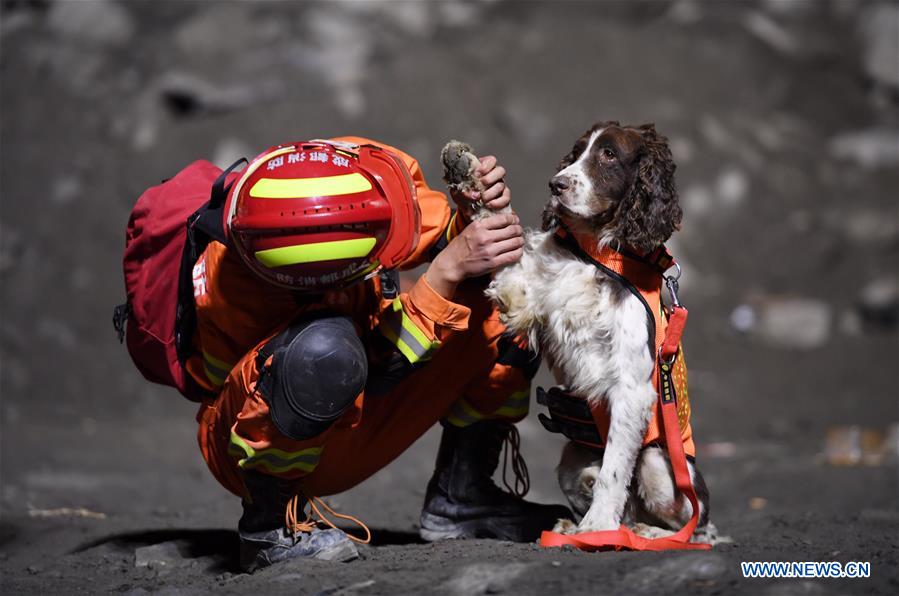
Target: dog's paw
565	526
651	532
708	534
598	525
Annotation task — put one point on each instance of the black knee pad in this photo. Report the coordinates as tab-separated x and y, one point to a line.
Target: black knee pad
318	368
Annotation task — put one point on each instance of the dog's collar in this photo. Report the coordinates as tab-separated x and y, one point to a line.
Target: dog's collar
644	271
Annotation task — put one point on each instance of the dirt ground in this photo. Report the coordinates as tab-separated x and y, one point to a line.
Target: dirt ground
783	120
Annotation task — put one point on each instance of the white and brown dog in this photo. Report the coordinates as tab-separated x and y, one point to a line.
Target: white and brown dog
616	187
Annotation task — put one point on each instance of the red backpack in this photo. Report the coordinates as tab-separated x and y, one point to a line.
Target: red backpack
169	228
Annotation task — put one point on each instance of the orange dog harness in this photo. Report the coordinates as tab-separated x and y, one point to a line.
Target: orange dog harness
642	276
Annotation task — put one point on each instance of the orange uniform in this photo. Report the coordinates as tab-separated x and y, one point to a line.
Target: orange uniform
454	347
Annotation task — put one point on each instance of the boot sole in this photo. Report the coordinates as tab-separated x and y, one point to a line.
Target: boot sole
435	528
345	552
341	554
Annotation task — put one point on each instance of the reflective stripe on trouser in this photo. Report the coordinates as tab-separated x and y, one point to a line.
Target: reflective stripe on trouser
402	332
273	461
515	407
216	370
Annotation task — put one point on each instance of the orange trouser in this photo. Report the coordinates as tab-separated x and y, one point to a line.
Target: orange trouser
462	383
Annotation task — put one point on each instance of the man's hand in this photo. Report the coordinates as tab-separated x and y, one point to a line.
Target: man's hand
482	247
495	195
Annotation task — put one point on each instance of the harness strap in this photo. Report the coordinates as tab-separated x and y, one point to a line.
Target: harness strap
569	416
624	537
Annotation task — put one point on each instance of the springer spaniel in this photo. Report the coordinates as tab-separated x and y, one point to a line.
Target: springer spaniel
615	187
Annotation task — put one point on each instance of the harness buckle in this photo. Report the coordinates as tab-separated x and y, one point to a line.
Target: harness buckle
670	360
673	286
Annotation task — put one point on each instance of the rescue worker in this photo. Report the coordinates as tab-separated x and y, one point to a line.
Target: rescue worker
323	372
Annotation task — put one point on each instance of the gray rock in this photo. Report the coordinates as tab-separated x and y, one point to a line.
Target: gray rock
346	70
161	557
58	332
532	125
484	578
879	32
187	94
678	571
785	322
794	587
225	28
871	148
697	200
868	226
743	318
879	303
732	186
685	12
771	33
102	22
65	190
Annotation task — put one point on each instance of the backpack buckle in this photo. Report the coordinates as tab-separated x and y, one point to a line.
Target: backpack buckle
390	283
120	316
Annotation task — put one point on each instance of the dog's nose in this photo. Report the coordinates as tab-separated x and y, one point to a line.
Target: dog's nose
559	183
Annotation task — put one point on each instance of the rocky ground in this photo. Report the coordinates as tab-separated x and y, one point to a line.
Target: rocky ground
783	121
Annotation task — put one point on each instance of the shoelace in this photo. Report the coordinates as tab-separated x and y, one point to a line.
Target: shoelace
294	524
522	483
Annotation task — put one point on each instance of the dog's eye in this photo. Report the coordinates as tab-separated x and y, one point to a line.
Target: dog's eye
608	154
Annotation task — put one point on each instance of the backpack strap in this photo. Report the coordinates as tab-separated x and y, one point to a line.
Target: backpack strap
209	218
203	226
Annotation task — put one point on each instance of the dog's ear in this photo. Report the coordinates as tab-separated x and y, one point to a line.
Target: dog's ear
650	212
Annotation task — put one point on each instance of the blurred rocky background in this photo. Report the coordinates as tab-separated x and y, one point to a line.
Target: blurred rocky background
783	116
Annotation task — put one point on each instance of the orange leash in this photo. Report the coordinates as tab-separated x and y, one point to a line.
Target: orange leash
310	523
624	538
512	448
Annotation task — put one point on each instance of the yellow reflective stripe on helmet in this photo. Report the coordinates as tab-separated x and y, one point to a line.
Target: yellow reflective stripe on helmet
217	370
411	341
316	252
302	188
273	460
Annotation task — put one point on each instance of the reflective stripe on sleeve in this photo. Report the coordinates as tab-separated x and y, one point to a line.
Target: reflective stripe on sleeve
516	405
462	414
397	327
216	370
273	460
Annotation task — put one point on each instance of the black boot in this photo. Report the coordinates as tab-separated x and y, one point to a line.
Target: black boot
264	538
463	502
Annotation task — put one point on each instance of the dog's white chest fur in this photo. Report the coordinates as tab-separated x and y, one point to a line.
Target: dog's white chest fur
593	334
590	329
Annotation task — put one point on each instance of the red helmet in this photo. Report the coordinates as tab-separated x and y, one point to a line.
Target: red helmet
320	215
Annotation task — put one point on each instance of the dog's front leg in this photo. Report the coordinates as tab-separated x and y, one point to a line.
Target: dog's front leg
509	290
630	408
